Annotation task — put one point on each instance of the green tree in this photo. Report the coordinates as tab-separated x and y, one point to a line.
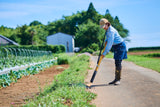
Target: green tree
32	31
109	17
41	34
119	26
35	23
7	32
24	36
88	34
84	24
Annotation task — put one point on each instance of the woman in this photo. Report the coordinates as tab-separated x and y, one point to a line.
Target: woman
115	41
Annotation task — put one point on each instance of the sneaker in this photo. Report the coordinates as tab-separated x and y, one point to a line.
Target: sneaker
115	82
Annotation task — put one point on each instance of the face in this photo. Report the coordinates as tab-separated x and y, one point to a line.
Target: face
106	27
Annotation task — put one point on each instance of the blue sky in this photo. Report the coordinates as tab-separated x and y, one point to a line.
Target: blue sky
140	17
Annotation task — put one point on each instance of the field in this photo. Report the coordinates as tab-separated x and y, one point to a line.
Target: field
147	59
29	86
65	89
46	88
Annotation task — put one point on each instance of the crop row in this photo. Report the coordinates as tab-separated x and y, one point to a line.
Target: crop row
11	57
13	76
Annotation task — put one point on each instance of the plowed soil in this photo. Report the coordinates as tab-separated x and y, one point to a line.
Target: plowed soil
142	52
28	86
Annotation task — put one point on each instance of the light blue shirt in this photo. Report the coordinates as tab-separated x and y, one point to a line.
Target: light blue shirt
112	38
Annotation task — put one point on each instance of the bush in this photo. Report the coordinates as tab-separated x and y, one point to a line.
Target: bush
94	46
87	50
63	59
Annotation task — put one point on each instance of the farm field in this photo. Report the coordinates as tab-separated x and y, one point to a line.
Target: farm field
147	59
48	88
143	52
28	86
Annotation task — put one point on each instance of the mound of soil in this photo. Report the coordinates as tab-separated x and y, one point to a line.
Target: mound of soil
28	86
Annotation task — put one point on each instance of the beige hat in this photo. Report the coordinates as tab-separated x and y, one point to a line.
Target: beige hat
102	22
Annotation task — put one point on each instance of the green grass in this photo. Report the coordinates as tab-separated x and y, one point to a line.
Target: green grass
146	62
68	88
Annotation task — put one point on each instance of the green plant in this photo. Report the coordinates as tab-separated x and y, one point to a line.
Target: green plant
152	55
145	62
87	50
13	76
94	46
62	59
68	88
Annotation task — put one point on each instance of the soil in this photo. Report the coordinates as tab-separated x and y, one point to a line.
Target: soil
27	87
142	52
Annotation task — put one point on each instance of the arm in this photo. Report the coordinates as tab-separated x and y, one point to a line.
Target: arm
108	44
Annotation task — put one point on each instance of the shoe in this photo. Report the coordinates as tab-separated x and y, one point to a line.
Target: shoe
115	82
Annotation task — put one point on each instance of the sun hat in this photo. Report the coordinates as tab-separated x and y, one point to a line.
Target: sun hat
102	22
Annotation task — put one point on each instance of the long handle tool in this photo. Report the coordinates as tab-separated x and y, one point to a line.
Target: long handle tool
98	63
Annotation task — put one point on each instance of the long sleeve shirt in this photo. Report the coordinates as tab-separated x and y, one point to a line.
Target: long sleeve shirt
112	38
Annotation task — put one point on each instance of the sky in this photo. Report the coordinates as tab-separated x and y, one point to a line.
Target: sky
140	17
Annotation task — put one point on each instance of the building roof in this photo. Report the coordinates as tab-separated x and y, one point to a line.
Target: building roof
60	33
5	41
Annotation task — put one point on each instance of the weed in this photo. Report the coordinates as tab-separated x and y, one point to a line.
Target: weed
68	88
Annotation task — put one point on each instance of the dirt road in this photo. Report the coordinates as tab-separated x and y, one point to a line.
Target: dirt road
140	87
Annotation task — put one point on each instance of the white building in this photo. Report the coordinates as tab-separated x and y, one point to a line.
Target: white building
62	39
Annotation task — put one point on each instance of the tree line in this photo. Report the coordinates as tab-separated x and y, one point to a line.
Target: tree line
83	25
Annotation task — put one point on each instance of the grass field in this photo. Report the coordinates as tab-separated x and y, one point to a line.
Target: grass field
141	60
151	63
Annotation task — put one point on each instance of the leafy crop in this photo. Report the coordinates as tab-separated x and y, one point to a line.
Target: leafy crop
13	76
11	57
152	55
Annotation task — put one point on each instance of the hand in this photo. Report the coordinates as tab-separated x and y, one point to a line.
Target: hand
102	56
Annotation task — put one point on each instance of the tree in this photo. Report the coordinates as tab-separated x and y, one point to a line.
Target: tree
119	26
35	23
92	13
86	21
88	34
109	17
31	32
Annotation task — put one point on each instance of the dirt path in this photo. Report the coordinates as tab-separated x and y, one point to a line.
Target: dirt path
140	87
28	87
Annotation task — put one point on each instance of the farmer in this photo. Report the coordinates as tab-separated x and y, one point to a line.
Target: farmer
115	41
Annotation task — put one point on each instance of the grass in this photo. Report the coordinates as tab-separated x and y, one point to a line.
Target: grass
147	62
68	88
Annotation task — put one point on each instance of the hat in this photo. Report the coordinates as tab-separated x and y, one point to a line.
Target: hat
102	22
